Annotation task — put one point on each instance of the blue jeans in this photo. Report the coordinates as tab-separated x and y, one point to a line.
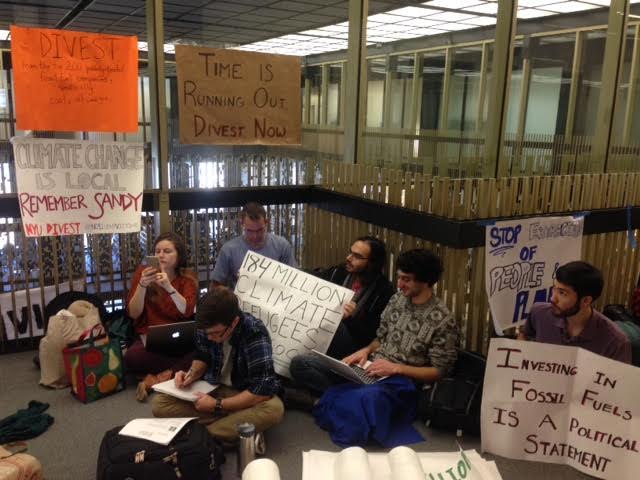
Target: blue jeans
307	371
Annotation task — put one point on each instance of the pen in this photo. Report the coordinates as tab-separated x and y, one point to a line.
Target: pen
188	375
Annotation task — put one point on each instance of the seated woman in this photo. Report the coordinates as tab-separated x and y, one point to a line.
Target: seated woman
160	297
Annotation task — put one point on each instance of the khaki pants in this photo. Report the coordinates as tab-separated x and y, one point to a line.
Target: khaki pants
224	427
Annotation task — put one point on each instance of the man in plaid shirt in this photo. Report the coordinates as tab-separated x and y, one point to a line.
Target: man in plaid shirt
233	349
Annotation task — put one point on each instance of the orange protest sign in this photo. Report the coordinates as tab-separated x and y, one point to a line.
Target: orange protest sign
74	81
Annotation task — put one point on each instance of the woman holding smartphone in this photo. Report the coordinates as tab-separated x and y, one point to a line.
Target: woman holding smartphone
160	294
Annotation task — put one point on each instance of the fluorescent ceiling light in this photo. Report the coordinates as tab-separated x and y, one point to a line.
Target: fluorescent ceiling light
419	22
389	28
568	7
386	18
453	26
424	32
414	12
378	39
335	28
533	13
481	21
490	8
450	16
534	3
604	3
318	33
460	4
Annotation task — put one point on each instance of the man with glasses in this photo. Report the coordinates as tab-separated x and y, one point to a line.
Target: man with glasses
570	319
233	349
362	273
255	237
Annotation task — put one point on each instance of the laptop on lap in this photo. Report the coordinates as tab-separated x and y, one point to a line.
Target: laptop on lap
174	339
353	373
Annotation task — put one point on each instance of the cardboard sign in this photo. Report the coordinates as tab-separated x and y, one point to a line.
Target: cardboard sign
72	187
521	258
560	404
233	97
74	81
301	312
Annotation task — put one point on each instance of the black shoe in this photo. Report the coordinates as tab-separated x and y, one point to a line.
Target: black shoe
299	399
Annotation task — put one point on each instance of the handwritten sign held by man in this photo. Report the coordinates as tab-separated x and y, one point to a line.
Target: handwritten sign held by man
301	312
560	404
74	81
72	187
236	97
522	257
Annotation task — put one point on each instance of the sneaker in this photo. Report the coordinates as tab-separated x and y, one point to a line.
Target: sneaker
299	399
260	444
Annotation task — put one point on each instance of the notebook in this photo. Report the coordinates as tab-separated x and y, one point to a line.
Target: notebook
187	393
173	339
354	373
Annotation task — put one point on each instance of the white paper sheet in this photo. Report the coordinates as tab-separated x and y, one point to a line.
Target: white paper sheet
158	430
188	393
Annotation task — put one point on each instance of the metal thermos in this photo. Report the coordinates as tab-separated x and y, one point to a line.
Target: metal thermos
247	445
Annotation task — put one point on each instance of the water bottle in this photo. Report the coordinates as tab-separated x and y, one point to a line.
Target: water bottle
247	445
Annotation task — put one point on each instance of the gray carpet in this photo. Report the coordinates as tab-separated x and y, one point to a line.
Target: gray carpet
69	449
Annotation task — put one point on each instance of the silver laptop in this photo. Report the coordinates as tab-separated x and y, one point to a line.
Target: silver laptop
174	339
354	373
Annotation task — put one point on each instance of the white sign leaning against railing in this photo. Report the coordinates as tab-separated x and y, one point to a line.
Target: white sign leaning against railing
521	259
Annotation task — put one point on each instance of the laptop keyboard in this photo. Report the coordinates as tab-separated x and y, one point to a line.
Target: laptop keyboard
362	375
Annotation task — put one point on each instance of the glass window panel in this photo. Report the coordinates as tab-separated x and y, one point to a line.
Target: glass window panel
551	63
400	89
465	88
376	73
590	82
333	94
515	88
433	65
622	97
314	74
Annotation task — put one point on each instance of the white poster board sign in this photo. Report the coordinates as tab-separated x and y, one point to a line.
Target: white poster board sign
72	187
401	463
301	312
560	404
14	310
521	258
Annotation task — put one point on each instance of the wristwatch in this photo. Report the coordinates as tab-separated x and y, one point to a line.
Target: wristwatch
218	408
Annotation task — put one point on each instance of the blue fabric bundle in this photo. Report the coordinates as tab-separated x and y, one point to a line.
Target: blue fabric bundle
354	414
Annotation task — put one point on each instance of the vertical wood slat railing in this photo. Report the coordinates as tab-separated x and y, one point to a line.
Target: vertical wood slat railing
463	286
104	263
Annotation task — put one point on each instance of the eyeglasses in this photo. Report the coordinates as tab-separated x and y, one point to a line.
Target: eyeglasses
357	256
219	334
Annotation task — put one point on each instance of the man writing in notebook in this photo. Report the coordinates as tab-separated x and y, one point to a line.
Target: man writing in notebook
233	349
416	343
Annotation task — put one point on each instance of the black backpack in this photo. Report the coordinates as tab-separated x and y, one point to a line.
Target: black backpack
453	403
193	453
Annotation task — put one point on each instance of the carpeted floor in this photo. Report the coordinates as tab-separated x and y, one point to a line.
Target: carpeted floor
69	449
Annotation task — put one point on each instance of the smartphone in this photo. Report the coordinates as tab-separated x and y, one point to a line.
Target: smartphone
152	261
